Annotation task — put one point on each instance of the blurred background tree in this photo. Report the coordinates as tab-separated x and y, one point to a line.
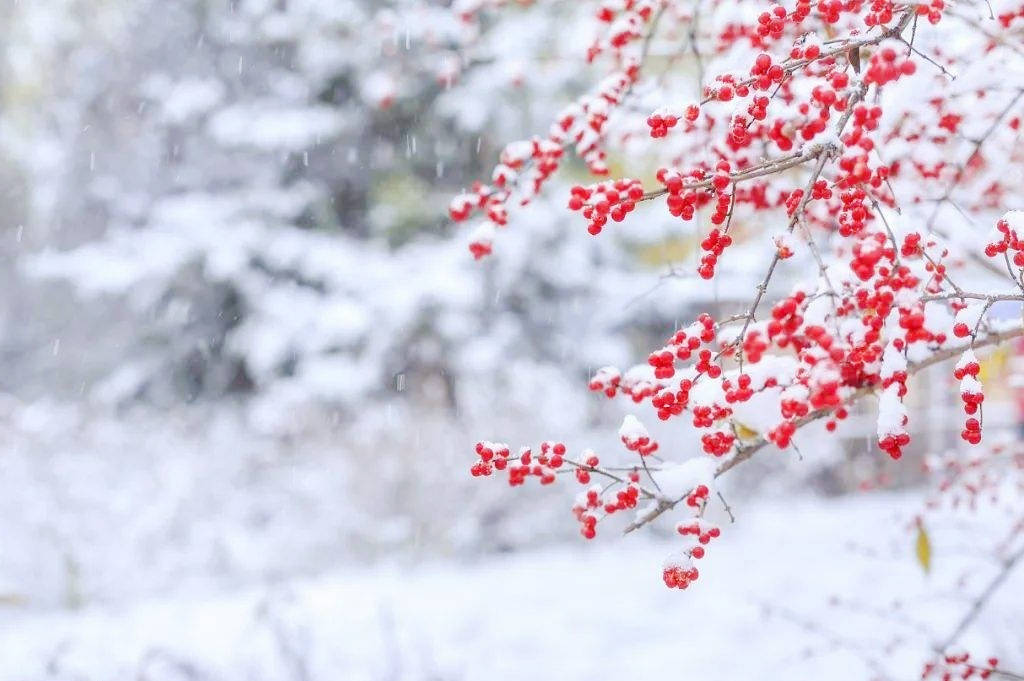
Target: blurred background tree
235	212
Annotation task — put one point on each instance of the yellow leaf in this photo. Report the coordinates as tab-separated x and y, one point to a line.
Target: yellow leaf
744	432
994	365
923	548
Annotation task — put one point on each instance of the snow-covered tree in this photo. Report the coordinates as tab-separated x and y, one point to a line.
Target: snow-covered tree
259	177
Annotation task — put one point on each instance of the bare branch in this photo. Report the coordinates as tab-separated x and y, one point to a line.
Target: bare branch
979	603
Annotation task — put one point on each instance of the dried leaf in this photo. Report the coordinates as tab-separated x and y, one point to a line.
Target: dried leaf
923	548
745	433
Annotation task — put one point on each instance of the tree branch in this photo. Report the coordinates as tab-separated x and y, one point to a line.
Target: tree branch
748	451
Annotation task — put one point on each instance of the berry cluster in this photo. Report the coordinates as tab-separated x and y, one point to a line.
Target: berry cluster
481	241
933	10
705	364
783	245
463	205
754	345
967	319
607	380
706	415
888	65
892	415
782	434
867	253
626	22
683	198
681	346
793	402
671	403
606	200
740	392
911	247
679	571
698	497
808	50
892	422
593	502
950	667
720	181
966	366
830	10
772	22
728	88
495	456
1005	239
699	528
718	442
766	73
492	456
1007	18
525	166
635	437
590	462
637	383
971	394
661	121
538	159
715	244
786	319
597	502
893	444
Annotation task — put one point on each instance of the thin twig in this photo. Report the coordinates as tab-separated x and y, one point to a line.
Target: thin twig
979	603
728	509
924	56
988	297
976	148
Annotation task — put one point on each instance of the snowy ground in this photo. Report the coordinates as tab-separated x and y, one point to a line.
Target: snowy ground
775	599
